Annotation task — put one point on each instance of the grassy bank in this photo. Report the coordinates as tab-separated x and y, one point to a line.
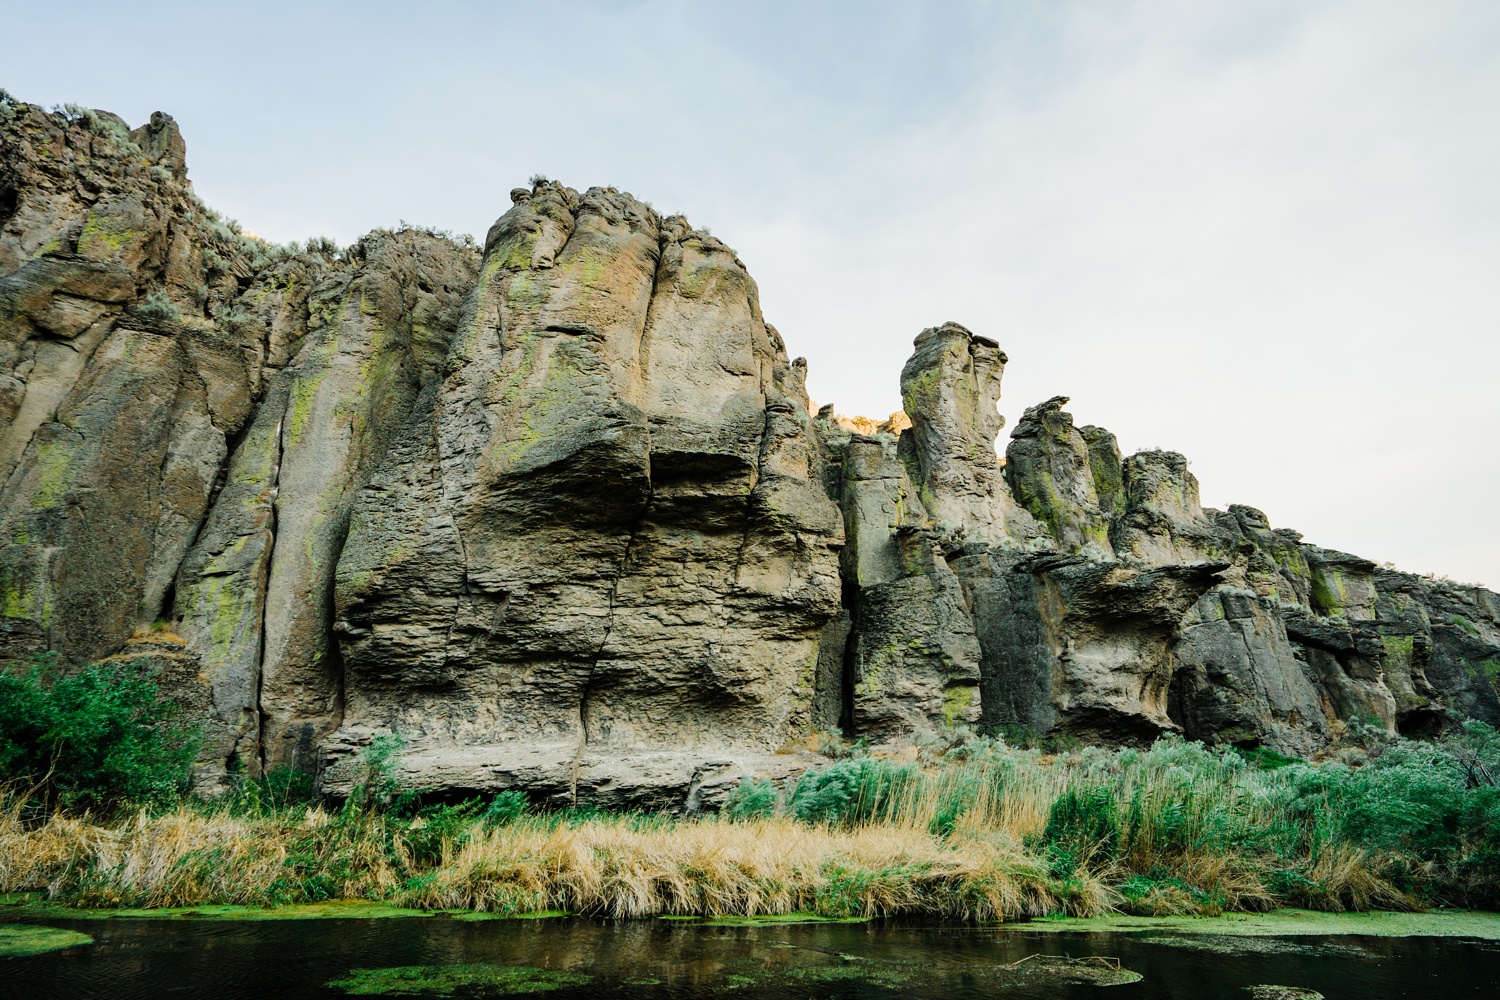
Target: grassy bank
981	831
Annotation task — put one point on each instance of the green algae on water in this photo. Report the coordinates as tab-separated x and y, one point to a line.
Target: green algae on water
1288	923
1037	970
1247	944
21	940
446	980
1032	972
330	909
890	975
764	919
1283	993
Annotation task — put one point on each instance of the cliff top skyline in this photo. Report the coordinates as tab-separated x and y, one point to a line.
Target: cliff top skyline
1259	236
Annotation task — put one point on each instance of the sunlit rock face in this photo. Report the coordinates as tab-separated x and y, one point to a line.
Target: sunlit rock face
555	510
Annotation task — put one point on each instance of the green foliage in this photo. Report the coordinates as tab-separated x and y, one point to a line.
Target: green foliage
1017	735
322	245
377	786
156	305
1083	823
99	739
752	799
437	826
1264	758
506	807
849	791
279	789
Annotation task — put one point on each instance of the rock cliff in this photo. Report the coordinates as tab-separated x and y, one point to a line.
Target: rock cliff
556	510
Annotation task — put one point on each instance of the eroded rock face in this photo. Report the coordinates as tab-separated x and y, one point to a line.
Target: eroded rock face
557	512
619	545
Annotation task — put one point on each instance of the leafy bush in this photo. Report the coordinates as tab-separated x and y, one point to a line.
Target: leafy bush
507	807
322	245
751	800
437	825
156	305
849	791
377	786
99	739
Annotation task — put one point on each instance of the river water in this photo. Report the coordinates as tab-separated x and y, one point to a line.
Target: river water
577	958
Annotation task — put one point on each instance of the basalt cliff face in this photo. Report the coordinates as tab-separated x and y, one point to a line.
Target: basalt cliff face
557	511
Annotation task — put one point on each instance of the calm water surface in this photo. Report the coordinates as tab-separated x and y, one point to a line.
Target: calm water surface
687	961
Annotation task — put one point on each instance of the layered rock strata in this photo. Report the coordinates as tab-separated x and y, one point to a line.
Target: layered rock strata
556	511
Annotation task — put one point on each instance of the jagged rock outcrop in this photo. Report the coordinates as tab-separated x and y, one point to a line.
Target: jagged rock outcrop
557	512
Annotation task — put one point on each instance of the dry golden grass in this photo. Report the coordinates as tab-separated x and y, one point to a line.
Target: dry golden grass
611	866
769	866
960	838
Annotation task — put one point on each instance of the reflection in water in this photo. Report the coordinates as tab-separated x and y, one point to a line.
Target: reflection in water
675	960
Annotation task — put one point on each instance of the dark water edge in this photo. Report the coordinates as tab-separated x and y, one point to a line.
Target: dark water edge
690	961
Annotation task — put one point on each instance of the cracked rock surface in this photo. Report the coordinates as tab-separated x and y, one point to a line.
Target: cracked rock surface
557	511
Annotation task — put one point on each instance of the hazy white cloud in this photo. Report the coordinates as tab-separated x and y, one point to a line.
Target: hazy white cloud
1262	234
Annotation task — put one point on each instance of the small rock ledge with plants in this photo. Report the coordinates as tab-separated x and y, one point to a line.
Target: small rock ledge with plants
525	577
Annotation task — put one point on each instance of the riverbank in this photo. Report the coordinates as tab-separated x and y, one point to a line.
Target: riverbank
1483	925
980	832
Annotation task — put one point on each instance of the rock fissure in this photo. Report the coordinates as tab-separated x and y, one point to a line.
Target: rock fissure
261	715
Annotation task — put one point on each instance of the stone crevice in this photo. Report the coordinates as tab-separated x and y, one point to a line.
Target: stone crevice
262	717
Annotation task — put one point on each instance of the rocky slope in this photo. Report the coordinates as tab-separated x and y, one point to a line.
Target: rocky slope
557	511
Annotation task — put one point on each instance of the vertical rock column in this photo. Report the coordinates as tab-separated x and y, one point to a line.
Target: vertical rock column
627	563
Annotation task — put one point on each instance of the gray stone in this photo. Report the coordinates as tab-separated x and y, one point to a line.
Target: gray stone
557	513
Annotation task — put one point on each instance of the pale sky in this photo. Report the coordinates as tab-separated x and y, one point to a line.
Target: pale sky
1264	234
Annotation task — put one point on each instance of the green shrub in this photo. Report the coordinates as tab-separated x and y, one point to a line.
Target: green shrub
156	305
507	807
377	786
1081	824
751	800
849	791
99	739
436	825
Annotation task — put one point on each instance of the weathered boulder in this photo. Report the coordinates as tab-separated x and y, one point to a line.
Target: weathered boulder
1237	677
